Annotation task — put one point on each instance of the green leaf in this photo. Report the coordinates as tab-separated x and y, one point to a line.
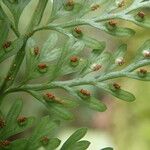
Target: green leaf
57	5
13	49
16	8
51	55
118	54
117	31
145	23
95	104
80	133
2	14
68	68
60	111
121	94
37	15
93	43
103	59
81	145
60	62
121	32
31	60
69	103
77	48
47	54
18	144
12	127
53	144
15	128
145	46
107	148
135	75
43	128
3	32
14	112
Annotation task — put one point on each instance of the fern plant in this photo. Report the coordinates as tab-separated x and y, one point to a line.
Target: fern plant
55	61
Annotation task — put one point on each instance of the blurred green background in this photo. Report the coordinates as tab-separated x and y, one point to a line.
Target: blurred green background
124	126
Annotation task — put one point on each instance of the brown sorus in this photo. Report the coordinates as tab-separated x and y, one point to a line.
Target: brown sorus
77	30
112	23
7	44
146	53
121	4
95	7
2	123
45	140
21	119
143	71
85	92
70	2
36	50
4	143
74	59
116	86
50	95
97	67
42	66
141	14
120	61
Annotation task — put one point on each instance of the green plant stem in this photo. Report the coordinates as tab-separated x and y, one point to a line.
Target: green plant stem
81	81
15	31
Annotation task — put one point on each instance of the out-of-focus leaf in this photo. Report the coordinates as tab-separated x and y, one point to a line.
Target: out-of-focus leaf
107	148
53	144
81	145
18	144
80	133
2	14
